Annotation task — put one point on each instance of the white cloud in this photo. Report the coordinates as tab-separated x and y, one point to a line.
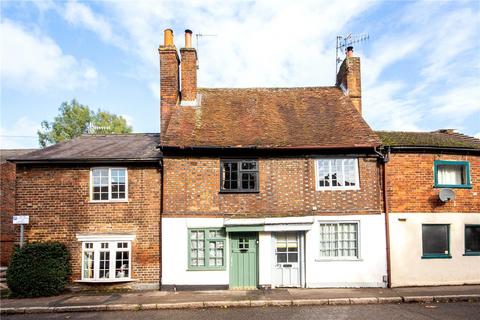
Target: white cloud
477	135
34	61
22	134
81	15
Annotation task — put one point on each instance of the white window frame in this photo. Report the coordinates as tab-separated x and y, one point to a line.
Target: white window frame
109	184
112	241
329	188
359	251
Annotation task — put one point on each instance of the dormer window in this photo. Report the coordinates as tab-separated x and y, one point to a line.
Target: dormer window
108	184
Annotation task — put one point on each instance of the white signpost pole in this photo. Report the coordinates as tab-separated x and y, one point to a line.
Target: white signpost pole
22	221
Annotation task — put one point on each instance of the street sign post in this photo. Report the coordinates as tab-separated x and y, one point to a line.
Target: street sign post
22	221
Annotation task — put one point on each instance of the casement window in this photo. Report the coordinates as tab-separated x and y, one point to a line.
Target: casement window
206	250
339	240
106	259
239	175
472	240
452	174
337	174
436	241
108	184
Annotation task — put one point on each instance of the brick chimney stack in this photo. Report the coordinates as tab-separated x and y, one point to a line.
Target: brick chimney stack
189	72
348	78
169	79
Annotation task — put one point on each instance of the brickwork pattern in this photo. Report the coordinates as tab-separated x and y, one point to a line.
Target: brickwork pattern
57	201
411	181
287	188
7	210
350	76
189	74
169	83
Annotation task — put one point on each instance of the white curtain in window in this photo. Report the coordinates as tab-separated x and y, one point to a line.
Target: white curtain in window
449	174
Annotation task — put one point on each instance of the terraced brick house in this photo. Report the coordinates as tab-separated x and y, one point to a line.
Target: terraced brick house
100	195
433	207
268	187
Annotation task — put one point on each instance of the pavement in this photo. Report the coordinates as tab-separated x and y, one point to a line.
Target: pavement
160	300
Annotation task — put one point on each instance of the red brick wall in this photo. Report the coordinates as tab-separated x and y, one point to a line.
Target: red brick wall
7	210
287	188
169	84
350	76
411	180
57	201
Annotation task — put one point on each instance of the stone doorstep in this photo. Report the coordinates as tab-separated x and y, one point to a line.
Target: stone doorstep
242	303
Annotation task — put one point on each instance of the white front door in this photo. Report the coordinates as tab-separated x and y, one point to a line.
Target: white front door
287	269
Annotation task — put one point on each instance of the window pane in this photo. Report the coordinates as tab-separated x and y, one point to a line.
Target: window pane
104	270
435	239
472	239
88	265
293	257
122	263
451	174
339	240
336	172
281	257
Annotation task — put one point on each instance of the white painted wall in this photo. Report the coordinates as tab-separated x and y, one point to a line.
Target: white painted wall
367	271
364	272
408	267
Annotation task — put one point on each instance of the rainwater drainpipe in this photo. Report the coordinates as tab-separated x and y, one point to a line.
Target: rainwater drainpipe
162	189
385	159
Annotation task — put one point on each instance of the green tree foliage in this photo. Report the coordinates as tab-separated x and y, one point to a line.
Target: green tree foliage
75	119
38	269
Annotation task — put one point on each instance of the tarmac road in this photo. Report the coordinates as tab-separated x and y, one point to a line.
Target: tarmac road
440	311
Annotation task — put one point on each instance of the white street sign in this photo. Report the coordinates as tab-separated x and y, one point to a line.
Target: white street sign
21	219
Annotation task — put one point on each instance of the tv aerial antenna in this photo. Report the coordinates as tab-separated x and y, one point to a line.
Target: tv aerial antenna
344	42
199	36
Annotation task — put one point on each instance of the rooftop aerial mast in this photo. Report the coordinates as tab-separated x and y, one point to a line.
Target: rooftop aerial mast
346	41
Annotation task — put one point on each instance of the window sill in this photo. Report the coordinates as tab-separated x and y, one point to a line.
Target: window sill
471	254
339	260
227	192
337	189
108	201
207	269
440	256
453	186
105	280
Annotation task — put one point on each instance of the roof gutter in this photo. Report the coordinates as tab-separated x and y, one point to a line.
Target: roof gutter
76	161
307	147
427	148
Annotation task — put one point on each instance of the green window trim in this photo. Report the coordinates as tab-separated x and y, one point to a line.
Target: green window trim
437	255
469	253
207	239
466	165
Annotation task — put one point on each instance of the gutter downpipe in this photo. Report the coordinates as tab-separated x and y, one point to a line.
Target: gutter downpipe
385	159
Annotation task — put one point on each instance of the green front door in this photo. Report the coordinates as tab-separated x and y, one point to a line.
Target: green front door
243	261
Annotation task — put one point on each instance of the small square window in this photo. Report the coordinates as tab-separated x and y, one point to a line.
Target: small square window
108	184
207	249
472	240
337	174
436	241
452	174
239	175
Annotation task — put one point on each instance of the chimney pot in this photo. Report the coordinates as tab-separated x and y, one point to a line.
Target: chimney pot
349	52
188	38
168	38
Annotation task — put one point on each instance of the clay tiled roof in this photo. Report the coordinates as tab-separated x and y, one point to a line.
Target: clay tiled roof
9	153
312	117
124	147
439	139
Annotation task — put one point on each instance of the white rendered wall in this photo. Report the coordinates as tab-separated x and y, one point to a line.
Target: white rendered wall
408	267
367	271
175	253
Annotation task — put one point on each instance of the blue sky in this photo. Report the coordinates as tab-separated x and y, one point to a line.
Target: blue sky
420	67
